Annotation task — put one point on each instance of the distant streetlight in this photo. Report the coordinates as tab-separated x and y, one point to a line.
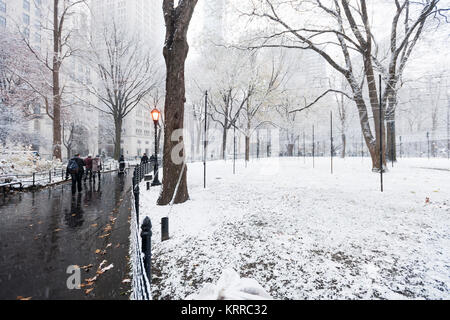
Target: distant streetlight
155	116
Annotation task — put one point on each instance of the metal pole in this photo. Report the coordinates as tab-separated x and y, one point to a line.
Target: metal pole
304	148
428	145
313	146
204	143
448	131
156	181
381	138
392	143
331	145
234	149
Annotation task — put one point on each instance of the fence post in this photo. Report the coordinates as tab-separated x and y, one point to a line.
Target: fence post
50	176
164	229
146	236
136	194
34	178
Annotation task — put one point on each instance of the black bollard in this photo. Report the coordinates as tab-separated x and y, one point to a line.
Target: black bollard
136	201
165	229
146	236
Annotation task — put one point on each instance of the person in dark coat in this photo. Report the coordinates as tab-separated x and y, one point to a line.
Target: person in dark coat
144	159
76	172
121	163
88	164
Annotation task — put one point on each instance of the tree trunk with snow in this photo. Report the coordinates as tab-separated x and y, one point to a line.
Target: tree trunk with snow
118	137
56	84
175	52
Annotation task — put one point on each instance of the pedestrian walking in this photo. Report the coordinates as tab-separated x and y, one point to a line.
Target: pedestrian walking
96	167
88	164
144	159
75	168
121	164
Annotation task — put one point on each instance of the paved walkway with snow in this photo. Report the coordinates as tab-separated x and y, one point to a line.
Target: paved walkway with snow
42	233
303	233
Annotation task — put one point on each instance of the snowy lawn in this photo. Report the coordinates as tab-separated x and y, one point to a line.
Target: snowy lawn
303	233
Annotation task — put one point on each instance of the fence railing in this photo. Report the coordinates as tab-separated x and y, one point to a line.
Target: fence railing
44	178
140	249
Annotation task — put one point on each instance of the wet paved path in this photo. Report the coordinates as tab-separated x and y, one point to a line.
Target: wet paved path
42	233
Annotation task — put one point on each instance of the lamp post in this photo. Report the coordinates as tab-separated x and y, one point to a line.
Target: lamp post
155	116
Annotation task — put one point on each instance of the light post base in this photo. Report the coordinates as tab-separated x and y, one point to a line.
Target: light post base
156	181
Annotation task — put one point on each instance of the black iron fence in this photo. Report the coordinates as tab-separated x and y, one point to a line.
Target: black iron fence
42	178
140	242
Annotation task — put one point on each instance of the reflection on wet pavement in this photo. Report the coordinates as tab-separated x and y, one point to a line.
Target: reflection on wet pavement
42	233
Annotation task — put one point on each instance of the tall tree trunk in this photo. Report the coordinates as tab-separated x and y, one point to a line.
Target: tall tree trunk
56	85
258	143
344	145
391	139
175	53
247	142
118	137
224	141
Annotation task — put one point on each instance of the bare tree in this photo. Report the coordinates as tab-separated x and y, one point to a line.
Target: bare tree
19	74
177	19
352	34
62	48
262	86
127	74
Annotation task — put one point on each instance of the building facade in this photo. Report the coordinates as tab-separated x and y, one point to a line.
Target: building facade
32	20
142	19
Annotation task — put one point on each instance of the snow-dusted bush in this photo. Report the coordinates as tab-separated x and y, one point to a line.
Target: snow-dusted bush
17	159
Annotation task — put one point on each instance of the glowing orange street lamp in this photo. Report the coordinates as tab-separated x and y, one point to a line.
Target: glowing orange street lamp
155	116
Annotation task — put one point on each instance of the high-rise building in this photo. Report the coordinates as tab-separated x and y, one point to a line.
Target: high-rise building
33	19
144	20
213	20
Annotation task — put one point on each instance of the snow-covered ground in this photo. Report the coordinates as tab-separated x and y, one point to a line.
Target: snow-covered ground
303	233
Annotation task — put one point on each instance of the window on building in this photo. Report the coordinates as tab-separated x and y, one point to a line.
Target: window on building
26	5
26	33
37	125
2	22
26	19
37	109
2	6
